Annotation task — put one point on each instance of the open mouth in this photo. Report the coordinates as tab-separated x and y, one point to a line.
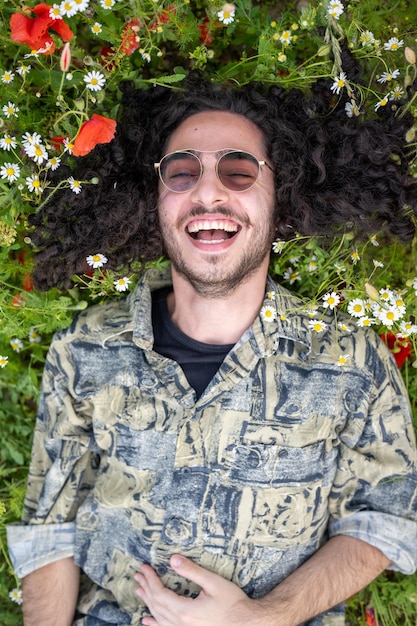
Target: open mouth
212	231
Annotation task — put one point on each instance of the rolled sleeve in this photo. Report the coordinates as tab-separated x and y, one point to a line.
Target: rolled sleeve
396	537
33	546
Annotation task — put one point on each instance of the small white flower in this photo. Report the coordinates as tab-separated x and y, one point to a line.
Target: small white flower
352	109
16	344
367	38
145	55
357	307
339	83
96	28
342	326
37	152
68	8
366	321
271	295
34	184
377	263
15	595
374	241
317	326
94	80
227	14
7	142
96	260
3	362
107	4
53	163
388	76
75	185
335	9
393	44
10	171
386	294
408	328
7	77
291	275
34	336
122	284
10	109
397	93
68	145
355	257
23	69
312	266
278	246
55	12
342	359
30	139
268	313
389	316
285	37
331	300
81	5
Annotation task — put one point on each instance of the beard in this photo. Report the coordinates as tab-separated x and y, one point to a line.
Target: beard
217	279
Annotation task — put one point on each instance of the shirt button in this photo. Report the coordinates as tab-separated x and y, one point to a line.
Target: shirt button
161	570
283	454
170	369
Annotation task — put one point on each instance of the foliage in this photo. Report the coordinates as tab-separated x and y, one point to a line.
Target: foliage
59	96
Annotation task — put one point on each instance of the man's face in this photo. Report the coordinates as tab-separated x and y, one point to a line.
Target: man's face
217	238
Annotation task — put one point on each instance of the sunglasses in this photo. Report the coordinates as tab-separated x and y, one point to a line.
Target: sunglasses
181	170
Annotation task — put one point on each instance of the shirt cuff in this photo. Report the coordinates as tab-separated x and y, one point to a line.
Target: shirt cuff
395	536
33	546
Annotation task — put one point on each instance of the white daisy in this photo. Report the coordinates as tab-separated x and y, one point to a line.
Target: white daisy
357	307
285	37
96	260
393	44
352	109
339	83
7	77
34	336
107	4
11	171
344	327
68	8
386	77
331	300
29	139
366	321
396	94
23	69
408	328
96	28
37	152
335	9
55	12
75	185
122	284
81	5
16	344
291	275
7	142
227	14
53	163
94	80
268	313
318	326
278	246
342	359
3	362
34	184
367	38
10	109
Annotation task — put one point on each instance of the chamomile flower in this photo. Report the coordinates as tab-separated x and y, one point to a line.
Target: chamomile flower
227	14
357	307
367	38
55	12
37	152
291	275
3	361
271	295
312	266
393	44
7	77
335	9
23	69
96	260
16	344
68	145
10	110
408	328
385	295
122	284
29	139
96	28
355	257
145	55
317	326
282	57
107	4
377	263
278	246
342	360
268	313
343	327
365	321
7	142
34	336
53	163
386	77
75	185
352	109
339	83
331	300
374	241
15	595
33	183
68	8
94	80
285	37
396	94
10	171
81	5
389	316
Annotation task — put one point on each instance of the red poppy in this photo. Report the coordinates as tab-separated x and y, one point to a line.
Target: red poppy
130	38
58	142
33	31
400	347
98	129
18	300
370	617
28	282
206	36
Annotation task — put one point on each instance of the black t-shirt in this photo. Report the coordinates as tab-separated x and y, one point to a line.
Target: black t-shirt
199	361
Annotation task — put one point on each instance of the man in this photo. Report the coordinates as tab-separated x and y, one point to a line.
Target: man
200	457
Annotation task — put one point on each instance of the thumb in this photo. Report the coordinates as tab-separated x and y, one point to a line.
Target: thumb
188	569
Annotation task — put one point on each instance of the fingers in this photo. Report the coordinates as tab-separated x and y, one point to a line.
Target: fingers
197	574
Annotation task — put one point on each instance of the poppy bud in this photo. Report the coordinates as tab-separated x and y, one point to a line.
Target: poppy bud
65	59
410	55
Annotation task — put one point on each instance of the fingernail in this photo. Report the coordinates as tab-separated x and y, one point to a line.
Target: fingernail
177	560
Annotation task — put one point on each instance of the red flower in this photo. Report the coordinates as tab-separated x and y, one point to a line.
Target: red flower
163	17
18	300
130	38
206	36
58	142
28	282
98	129
399	346
33	31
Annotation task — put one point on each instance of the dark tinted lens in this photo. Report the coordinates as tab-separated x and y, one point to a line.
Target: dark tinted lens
180	171
238	171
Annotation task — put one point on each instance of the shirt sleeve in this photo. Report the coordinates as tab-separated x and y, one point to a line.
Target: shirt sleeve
374	496
64	461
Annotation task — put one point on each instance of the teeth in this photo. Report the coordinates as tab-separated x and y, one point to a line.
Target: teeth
228	227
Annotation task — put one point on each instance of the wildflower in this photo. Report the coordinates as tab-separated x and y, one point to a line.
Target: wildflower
335	9
367	38
407	328
291	275
16	344
317	326
34	336
7	77
271	295
130	38
227	13
312	266
331	300
68	145
15	595
7	142
357	307
278	246
55	12
94	80
355	256
386	294
410	55
388	316
37	152
96	28
3	361
75	185
33	31
53	163
34	184
397	93
374	241
282	57
98	129
96	260
145	55
339	83
386	77
23	69
11	171
81	5
30	139
10	109
68	8
393	44
365	321
377	263
399	346
268	313
65	58
342	359
342	326
285	37
352	109
107	4
122	284
7	234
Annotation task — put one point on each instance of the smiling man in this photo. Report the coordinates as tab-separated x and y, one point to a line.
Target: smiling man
200	457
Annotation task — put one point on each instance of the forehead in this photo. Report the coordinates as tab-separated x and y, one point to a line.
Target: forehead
216	130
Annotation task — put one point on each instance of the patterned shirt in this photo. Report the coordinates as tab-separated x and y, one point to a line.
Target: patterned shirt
285	448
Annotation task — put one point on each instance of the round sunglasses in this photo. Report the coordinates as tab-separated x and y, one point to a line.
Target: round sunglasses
237	170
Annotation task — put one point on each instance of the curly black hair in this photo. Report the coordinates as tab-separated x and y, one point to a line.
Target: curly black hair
332	173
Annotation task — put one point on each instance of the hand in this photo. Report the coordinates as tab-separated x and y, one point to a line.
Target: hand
220	602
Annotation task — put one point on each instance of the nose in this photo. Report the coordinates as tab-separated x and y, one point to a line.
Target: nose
209	190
